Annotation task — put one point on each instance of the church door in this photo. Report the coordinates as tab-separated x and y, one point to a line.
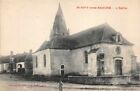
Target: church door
92	64
118	67
100	64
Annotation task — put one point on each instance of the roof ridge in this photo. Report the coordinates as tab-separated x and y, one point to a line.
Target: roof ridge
89	29
99	34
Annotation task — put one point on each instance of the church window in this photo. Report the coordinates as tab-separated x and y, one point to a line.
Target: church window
36	62
86	57
62	70
118	50
44	57
62	66
100	64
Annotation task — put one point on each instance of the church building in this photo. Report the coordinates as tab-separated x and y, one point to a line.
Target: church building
96	51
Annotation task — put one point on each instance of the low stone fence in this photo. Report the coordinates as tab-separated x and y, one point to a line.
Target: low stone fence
99	80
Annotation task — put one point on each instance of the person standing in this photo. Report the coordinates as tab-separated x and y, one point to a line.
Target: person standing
60	85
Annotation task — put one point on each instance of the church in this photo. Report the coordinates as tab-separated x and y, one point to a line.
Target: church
96	51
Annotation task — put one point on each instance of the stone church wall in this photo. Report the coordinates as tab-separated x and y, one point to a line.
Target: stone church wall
61	57
74	60
41	70
111	56
78	59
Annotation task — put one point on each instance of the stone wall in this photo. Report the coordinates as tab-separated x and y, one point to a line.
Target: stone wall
79	65
58	58
41	70
74	60
111	56
99	80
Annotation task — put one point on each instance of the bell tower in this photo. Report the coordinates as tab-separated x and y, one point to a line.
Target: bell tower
59	27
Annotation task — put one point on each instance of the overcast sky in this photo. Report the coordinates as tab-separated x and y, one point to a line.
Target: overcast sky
25	24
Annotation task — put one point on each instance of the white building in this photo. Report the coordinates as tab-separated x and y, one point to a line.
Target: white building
97	51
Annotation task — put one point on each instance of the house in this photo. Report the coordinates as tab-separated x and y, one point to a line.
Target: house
3	67
96	51
18	63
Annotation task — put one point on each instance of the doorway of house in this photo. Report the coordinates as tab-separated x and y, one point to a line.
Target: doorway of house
118	67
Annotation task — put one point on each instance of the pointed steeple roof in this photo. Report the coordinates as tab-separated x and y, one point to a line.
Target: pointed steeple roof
59	11
59	26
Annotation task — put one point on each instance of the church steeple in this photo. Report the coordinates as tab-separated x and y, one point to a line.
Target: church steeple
59	26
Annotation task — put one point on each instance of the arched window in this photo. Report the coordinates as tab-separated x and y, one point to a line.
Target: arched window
86	57
118	50
44	57
62	70
36	59
62	66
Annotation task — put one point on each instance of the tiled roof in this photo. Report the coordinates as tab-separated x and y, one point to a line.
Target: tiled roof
100	34
59	26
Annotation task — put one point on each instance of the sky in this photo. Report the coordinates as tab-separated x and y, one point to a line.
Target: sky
26	24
